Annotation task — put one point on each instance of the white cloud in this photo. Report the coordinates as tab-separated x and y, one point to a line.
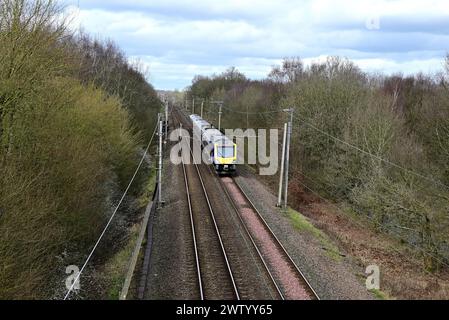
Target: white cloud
389	66
179	39
179	74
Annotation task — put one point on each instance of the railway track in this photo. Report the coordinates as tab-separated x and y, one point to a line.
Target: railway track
282	275
287	276
214	274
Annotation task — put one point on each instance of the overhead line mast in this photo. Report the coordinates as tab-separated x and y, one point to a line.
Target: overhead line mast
287	154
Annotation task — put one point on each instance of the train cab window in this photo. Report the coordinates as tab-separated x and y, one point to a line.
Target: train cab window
225	151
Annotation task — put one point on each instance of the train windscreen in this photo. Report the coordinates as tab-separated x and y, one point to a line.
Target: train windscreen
225	151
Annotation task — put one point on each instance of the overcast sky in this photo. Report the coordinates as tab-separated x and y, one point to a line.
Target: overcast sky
178	39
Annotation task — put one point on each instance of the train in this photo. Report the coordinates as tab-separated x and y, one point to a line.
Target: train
223	151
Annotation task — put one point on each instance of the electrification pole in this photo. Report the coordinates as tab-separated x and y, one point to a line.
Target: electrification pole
220	104
193	105
287	155
281	176
166	120
159	182
202	106
219	117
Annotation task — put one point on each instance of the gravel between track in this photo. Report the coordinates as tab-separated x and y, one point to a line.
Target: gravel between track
172	259
331	279
291	282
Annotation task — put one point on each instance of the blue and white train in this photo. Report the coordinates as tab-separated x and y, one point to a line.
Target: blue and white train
223	151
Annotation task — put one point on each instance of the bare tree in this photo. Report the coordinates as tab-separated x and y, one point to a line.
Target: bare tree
290	71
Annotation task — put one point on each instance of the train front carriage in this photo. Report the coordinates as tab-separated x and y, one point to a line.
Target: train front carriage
225	156
223	151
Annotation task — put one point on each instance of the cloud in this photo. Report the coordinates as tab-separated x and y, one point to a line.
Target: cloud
177	74
178	39
199	9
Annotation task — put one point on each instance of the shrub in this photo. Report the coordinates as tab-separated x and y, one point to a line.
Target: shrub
67	148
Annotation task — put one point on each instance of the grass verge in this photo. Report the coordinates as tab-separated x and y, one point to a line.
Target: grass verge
302	224
380	295
117	266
